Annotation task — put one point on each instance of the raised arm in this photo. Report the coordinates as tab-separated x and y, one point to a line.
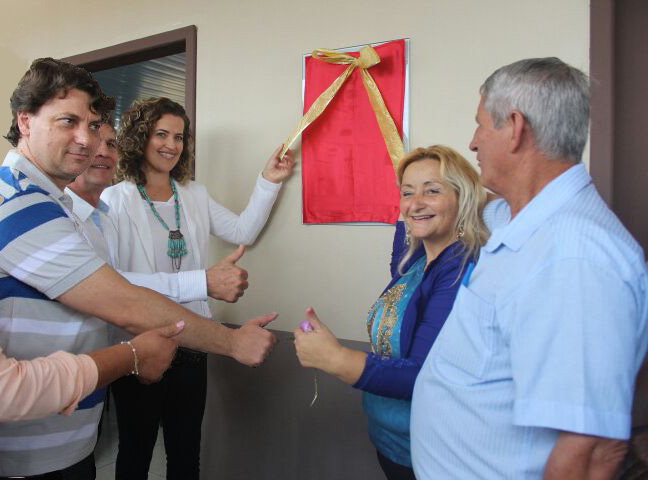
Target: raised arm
107	295
244	228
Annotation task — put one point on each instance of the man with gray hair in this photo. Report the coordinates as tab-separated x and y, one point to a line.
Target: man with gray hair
533	373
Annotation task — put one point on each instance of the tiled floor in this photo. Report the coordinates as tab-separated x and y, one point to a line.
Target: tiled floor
106	451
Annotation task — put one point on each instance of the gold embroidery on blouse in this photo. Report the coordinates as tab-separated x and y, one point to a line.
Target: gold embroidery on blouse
388	320
371	317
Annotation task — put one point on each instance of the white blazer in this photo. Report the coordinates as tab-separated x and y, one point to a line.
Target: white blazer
205	217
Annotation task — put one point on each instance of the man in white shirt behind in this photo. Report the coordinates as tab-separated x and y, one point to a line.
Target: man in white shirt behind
223	281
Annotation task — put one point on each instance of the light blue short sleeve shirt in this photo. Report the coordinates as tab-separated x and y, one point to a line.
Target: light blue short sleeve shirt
547	334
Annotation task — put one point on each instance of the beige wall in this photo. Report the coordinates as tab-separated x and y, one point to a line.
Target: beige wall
248	101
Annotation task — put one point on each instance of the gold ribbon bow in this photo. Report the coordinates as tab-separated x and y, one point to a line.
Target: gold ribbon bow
368	58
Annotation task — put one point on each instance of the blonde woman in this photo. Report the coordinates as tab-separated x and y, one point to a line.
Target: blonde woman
441	201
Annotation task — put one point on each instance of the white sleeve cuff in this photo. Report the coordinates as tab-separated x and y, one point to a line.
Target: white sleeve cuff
267	184
192	285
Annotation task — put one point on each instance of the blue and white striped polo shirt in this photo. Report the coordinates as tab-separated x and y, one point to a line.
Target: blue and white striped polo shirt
42	255
546	335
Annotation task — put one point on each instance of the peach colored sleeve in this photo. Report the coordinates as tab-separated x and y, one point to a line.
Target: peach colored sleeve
45	385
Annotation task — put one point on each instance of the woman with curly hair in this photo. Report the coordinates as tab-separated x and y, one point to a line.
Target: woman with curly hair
441	200
164	222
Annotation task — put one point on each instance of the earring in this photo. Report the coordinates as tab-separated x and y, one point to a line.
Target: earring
460	233
408	236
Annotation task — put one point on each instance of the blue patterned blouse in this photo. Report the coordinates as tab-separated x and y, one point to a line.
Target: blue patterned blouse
389	417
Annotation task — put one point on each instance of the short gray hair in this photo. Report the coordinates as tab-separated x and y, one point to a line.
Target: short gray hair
553	97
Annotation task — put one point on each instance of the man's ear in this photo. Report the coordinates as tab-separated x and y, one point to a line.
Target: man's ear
24	121
518	124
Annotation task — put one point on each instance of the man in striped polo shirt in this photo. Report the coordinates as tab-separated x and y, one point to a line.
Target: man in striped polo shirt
533	373
52	283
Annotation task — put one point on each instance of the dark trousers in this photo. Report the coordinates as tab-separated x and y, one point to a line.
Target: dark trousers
83	470
395	471
178	403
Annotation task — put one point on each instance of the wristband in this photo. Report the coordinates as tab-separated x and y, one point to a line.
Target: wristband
136	364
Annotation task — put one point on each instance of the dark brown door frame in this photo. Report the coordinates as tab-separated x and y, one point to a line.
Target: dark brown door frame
602	144
156	46
602	97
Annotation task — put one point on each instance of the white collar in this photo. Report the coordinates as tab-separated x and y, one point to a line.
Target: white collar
82	208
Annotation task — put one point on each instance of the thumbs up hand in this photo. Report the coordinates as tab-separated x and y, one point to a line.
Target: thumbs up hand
225	280
251	343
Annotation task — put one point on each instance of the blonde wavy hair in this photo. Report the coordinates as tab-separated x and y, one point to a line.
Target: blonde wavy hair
460	175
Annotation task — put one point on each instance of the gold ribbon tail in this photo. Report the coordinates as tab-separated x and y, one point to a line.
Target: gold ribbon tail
386	123
317	108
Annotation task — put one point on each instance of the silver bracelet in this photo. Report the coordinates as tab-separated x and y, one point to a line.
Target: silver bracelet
136	365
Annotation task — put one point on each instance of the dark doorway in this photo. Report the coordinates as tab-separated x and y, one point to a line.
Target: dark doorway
630	185
619	142
167	58
159	77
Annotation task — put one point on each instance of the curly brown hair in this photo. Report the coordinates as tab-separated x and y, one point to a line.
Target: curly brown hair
137	124
47	78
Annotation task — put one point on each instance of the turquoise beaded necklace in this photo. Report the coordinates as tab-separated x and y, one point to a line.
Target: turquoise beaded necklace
177	248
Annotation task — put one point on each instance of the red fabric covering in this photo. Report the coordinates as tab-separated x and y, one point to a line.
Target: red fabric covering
347	174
